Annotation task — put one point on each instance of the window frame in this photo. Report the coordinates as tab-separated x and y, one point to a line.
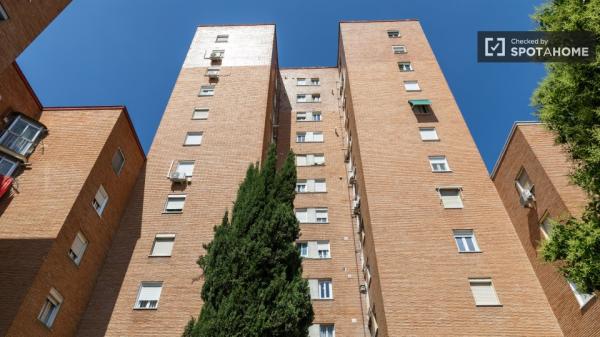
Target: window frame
148	284
439	160
3	13
204	91
303	247
414	83
405	63
219	38
165	237
101	206
18	137
14	164
56	299
452	188
185	162
193	133
166	210
399	49
330	330
196	110
77	257
393	33
122	155
484	280
462	234
582	298
422	130
327	289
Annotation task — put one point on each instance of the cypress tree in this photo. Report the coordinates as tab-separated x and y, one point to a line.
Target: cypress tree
253	285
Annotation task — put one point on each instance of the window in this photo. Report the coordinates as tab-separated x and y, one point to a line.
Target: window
175	203
100	200
50	308
451	197
301	186
310	159
309	137
7	166
308	116
308	81
193	139
217	54
372	324
465	241
303	248
428	134
308	98
323	249
325	289
399	49
483	292
200	113
582	298
21	135
367	273
412	86
312	215
420	106
405	66
118	161
393	33
148	295
525	188
185	167
207	90
439	164
78	248
163	245
213	72
3	15
222	38
326	330
546	227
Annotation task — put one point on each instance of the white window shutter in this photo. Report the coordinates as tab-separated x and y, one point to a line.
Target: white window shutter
314	288
302	215
310	185
301	160
483	292
320	186
150	292
310	159
313	252
312	215
314	330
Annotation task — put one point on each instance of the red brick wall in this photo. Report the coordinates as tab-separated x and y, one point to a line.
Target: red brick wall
15	95
532	147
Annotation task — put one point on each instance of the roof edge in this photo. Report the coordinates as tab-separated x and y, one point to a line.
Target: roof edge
507	142
367	21
308	67
236	24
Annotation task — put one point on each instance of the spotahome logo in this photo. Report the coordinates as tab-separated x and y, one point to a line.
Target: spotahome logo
535	47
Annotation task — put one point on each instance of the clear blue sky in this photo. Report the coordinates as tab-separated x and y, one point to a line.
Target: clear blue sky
113	52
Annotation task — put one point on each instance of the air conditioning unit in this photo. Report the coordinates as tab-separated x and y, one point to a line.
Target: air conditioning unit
178	177
526	197
216	55
362	289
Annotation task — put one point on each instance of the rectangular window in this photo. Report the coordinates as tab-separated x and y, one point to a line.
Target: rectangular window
3	14
207	90
303	248
399	49
163	245
78	248
428	134
308	98
451	197
405	66
213	72
301	186
185	168
310	159
193	139
301	81
100	200
323	249
148	295
312	215
308	116
439	164
118	161
200	113
393	33
7	166
308	81
175	203
546	227
372	324
326	330
21	135
314	249
325	290
222	38
582	298
50	308
484	292
309	137
217	54
465	241
412	86
525	188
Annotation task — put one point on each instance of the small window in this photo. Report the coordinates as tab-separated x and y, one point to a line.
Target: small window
405	66
428	134
213	72
325	290
185	167
118	161
315	159
308	116
393	33
78	247
301	81
3	15
323	250
311	186
200	113
193	139
420	106
308	98
412	86
222	38
525	188
312	215
50	308
217	54
372	324
148	295
7	166
484	292
175	203
21	136
309	137
322	216
465	241
399	49
546	227
451	197
207	90
582	298
367	273
100	200
303	248
326	330
163	245
439	164
301	186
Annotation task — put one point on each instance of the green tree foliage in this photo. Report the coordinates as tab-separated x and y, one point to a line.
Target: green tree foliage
568	102
253	285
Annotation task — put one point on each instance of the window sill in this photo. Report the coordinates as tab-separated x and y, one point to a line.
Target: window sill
311	192
173	212
297	121
319	142
158	256
430	140
473	252
449	171
314	223
144	309
316	258
322	299
309	102
488	305
413	90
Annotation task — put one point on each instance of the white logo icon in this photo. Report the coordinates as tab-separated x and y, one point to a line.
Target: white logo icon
495	46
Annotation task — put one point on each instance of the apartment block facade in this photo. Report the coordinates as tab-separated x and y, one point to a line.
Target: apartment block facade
532	178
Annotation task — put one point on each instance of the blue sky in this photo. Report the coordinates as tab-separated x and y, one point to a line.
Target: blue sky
128	52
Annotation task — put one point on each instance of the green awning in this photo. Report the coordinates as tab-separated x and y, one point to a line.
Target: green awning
414	102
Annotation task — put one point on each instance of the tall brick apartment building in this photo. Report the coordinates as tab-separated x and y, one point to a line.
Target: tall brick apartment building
531	177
